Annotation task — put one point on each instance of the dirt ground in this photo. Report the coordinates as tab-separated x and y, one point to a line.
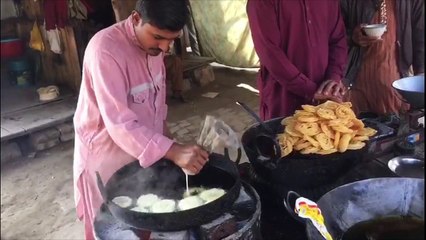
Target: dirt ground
37	194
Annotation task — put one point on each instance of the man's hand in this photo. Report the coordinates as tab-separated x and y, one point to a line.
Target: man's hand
189	157
330	90
359	37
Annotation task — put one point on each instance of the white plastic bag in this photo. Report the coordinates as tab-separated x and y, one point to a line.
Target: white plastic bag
216	135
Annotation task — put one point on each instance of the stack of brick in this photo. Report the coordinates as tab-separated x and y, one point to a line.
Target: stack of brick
10	151
203	75
66	131
44	139
51	137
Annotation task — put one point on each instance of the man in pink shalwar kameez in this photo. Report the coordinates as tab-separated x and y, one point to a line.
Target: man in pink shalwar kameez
122	109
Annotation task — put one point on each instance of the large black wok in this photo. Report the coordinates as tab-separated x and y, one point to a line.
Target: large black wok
297	170
412	89
365	200
167	180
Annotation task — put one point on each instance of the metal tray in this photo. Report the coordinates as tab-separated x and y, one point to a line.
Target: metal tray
406	166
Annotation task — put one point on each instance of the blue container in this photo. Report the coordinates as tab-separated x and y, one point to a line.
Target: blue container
21	72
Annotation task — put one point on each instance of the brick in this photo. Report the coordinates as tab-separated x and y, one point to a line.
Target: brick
10	151
65	128
203	76
52	133
194	119
182	132
46	145
44	136
174	129
67	137
184	124
186	86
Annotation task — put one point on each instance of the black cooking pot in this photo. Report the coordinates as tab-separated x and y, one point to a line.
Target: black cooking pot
347	205
297	170
167	180
412	89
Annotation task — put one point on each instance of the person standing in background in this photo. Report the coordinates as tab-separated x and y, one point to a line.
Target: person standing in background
302	50
375	63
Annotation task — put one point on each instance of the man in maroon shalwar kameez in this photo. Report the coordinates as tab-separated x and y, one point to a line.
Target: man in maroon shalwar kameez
302	49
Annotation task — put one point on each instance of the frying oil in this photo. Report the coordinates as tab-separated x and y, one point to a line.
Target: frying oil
187	184
387	228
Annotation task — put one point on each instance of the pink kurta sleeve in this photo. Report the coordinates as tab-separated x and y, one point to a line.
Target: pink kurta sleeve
266	39
124	127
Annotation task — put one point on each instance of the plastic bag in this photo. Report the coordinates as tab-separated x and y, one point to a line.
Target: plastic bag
216	135
36	40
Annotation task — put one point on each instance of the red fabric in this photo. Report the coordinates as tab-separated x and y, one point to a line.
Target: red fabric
88	5
55	13
300	44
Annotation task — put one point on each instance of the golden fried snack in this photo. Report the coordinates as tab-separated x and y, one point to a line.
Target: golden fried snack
360	138
336	140
314	142
326	152
347	104
309	108
342	128
326	113
344	142
293	132
356	145
324	141
299	113
308	129
357	124
329	105
308	119
300	146
300	141
326	129
345	112
309	150
288	120
367	132
286	149
338	122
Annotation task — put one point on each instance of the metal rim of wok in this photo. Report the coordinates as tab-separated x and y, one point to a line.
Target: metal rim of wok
297	170
412	90
355	202
407	166
218	165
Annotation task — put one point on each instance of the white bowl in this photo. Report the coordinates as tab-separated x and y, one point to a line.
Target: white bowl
374	30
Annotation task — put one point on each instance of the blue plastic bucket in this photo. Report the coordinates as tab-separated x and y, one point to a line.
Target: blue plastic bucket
21	72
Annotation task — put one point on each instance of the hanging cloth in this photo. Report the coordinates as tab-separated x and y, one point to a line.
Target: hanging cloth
55	13
36	40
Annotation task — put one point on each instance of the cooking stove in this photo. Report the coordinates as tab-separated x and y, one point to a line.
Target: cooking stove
242	222
276	223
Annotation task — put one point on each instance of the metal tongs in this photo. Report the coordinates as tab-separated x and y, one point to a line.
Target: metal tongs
265	141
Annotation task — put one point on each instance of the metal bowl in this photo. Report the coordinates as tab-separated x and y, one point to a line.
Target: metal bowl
405	166
412	89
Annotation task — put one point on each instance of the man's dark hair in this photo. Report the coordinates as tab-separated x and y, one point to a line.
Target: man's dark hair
169	15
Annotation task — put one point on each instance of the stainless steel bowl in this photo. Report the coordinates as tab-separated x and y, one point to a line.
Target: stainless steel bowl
405	166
